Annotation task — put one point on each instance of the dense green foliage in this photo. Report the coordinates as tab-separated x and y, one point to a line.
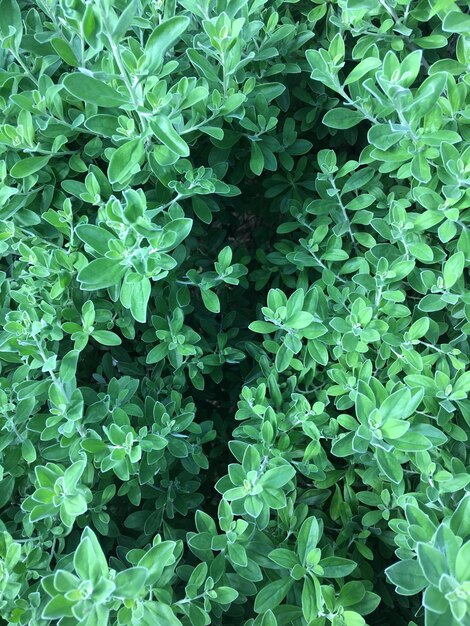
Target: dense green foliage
234	316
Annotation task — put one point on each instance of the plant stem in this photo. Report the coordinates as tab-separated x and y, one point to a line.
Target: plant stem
125	77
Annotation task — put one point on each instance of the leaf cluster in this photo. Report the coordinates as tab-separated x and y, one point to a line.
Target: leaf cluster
234	313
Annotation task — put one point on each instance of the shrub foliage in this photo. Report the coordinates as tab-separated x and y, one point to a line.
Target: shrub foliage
234	317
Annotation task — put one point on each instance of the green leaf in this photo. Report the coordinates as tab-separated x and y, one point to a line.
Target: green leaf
431	302
272	594
308	538
106	337
400	404
140	296
156	559
420	169
130	583
125	20
389	465
28	451
351	593
72	475
262	327
462	563
165	132
382	136
93	90
432	562
361	69
162	38
457	22
428	94
11	18
126	161
256	159
65	52
421	251
407	576
29	166
342	118
283	358
277	477
342	445
102	124
460	520
419	328
96	237
89	561
101	273
351	618
162	614
269	619
394	428
225	595
410	67
157	353
175	232
309	605
453	269
58	607
211	301
337	567
284	558
300	320
68	366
